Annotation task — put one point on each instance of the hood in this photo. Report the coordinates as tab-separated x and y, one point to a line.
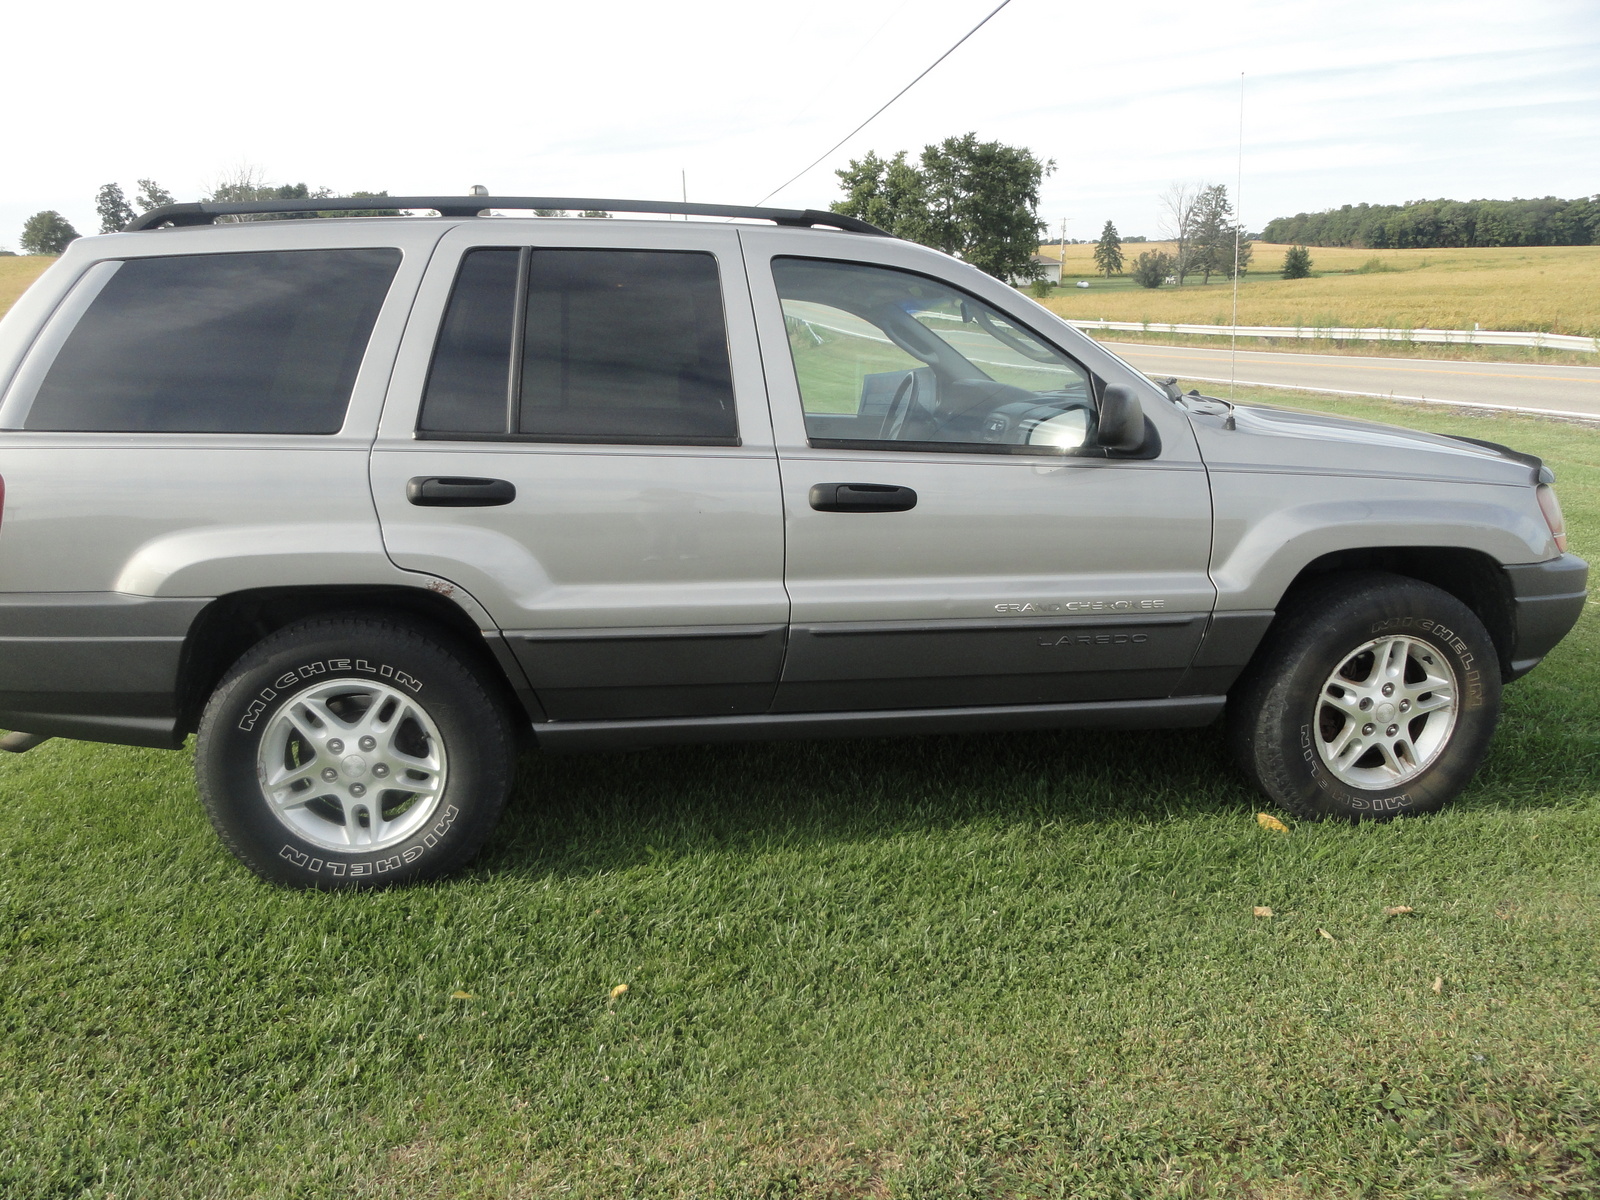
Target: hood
1263	438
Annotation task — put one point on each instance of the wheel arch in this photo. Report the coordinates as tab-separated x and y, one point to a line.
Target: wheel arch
228	626
1471	576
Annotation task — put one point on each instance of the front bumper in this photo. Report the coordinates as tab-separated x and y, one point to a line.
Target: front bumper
1547	599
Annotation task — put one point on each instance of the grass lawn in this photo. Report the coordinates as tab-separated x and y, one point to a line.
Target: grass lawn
1550	288
1018	965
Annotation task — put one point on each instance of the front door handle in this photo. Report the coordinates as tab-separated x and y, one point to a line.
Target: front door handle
457	491
862	497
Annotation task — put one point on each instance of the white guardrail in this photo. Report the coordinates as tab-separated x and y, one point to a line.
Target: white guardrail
1451	337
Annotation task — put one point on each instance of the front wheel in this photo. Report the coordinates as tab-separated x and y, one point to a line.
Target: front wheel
348	752
1374	696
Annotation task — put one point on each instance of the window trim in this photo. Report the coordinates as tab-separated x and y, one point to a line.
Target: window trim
519	322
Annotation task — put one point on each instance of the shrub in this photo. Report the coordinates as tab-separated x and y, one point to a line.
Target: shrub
1297	263
1151	268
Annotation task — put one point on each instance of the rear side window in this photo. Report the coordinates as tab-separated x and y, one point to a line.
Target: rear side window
219	343
620	346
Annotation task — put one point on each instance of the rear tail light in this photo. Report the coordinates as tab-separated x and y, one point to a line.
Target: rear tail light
1548	504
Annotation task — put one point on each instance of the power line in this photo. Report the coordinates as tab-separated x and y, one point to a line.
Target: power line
880	111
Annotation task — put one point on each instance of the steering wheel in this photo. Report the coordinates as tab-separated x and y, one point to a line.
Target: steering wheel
894	420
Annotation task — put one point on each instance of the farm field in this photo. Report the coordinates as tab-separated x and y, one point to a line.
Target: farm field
1551	288
16	273
1019	965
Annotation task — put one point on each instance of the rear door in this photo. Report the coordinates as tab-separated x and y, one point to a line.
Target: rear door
953	537
577	435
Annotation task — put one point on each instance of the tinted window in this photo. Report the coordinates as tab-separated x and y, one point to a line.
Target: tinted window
617	346
469	380
890	359
219	343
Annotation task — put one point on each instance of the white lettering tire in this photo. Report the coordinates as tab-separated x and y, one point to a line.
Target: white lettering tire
351	752
1372	696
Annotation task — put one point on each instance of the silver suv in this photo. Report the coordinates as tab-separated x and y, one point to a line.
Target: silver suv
363	501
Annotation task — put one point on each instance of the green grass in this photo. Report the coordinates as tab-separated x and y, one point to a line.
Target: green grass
966	966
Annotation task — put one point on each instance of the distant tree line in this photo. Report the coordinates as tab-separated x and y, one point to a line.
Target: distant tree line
1436	224
48	232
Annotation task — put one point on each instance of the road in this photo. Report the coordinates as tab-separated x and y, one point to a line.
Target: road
1569	391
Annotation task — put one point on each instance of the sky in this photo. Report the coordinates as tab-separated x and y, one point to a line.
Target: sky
1364	100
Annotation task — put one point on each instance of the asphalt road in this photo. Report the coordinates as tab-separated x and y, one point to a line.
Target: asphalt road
1573	391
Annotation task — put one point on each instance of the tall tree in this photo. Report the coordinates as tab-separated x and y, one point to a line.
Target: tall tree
983	204
1217	242
890	193
1178	206
113	207
151	196
47	232
977	200
1107	252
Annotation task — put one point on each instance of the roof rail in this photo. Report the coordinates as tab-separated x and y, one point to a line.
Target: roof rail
207	211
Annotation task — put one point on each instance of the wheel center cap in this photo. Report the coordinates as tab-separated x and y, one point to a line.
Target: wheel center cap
1386	711
354	765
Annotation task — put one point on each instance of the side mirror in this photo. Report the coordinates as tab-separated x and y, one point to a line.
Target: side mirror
1121	419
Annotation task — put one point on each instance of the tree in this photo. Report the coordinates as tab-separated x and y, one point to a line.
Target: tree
47	232
983	202
549	212
1297	263
1178	205
113	207
151	196
890	193
593	212
1216	240
977	200
1108	252
1152	267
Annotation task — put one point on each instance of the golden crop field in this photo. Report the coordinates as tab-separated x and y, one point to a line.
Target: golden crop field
16	273
1552	288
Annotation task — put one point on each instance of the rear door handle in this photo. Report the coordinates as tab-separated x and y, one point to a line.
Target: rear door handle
862	497
457	491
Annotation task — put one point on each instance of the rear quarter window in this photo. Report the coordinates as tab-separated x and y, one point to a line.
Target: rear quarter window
218	343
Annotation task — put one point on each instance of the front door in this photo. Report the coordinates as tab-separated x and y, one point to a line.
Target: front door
577	435
953	536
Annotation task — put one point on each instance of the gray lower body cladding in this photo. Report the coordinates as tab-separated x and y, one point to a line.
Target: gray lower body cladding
106	667
1547	600
101	666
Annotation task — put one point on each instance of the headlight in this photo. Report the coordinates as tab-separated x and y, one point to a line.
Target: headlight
1551	507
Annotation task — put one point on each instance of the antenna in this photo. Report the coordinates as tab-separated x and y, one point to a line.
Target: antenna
1238	233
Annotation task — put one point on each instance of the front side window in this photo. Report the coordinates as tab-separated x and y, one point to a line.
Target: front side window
218	343
625	346
889	359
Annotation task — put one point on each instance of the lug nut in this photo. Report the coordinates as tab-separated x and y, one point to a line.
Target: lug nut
380	770
1388	689
1405	706
1392	730
369	743
358	789
329	774
1366	704
1366	730
335	746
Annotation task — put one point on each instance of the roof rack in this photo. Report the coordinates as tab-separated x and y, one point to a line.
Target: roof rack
207	211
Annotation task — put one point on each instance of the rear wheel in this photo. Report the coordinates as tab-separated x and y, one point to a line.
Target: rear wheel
1373	696
354	752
